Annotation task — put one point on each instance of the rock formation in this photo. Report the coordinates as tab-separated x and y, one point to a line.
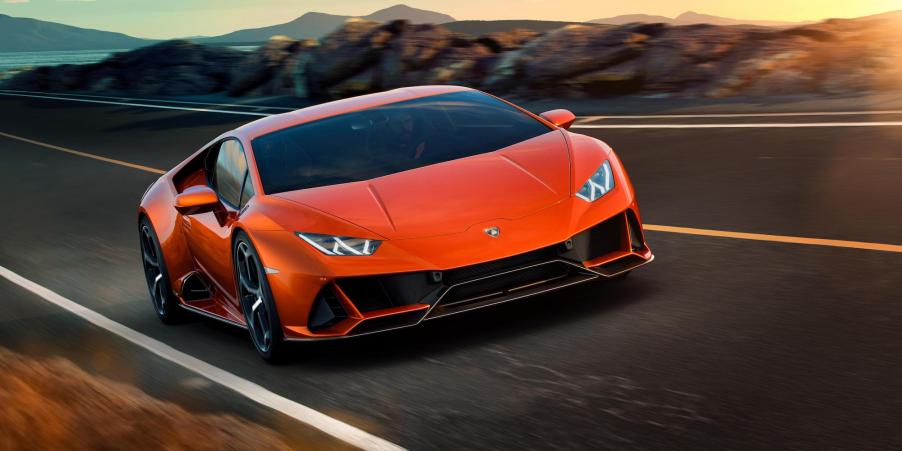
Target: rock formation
838	56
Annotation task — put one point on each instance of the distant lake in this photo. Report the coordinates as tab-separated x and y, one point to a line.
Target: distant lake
14	60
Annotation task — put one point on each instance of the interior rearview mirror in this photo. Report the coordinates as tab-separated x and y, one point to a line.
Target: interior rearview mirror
196	199
561	118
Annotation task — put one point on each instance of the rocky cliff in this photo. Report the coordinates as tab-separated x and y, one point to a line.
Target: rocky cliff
832	57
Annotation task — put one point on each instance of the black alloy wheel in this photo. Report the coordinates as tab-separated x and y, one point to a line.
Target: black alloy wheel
164	301
256	301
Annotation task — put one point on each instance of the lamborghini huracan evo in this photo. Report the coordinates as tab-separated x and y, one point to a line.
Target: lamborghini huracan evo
381	211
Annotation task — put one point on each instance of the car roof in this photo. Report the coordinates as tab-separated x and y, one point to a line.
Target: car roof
280	121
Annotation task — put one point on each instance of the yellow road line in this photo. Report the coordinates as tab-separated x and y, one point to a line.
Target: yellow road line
652	227
85	154
776	238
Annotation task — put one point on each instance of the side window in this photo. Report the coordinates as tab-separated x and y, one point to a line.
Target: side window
230	172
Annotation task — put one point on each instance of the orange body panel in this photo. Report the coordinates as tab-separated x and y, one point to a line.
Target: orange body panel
433	218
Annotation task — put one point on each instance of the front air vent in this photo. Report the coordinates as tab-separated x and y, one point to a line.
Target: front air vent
367	293
637	241
326	311
371	293
603	239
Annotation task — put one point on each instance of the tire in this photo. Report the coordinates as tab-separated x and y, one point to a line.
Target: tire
256	301
165	302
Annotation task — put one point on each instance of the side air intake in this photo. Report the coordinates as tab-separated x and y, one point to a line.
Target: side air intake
195	288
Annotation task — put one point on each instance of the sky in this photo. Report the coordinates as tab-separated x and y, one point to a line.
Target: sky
183	18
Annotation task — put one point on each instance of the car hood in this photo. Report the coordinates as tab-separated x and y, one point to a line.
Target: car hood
450	197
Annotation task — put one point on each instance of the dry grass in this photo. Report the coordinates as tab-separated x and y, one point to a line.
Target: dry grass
54	405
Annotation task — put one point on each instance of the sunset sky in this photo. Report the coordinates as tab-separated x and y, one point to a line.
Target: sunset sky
180	18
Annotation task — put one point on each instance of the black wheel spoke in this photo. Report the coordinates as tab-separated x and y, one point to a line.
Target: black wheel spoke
250	276
158	290
153	270
246	285
148	260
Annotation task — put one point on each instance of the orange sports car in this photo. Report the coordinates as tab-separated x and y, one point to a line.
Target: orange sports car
382	211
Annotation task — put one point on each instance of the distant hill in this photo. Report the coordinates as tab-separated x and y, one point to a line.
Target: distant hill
889	15
315	25
19	34
692	18
414	15
310	25
632	18
481	27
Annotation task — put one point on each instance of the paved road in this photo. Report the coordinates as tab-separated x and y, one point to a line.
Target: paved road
720	343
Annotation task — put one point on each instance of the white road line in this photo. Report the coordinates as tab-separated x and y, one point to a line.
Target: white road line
340	430
577	126
138	99
580	118
142	105
714	115
832	158
760	125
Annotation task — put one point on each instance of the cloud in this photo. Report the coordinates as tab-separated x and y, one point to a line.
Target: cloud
16	1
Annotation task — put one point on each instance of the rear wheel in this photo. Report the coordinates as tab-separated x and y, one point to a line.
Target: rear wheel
257	301
165	304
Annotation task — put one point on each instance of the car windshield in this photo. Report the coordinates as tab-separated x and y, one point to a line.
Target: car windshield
387	139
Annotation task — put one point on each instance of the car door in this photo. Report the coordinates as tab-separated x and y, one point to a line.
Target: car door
210	233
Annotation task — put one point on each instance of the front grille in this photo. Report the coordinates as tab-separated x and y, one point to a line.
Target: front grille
506	282
504	287
458	275
469	287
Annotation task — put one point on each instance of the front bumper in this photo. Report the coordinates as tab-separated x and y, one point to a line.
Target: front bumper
358	305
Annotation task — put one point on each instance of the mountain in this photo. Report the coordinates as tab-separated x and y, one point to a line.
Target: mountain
19	34
315	25
310	25
414	15
692	18
483	27
632	18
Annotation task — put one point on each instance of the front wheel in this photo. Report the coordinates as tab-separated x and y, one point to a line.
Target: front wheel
165	304
257	301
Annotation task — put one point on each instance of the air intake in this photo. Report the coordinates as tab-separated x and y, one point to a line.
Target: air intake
326	311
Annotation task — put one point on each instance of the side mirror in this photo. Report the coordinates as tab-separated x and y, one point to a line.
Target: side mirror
196	199
560	118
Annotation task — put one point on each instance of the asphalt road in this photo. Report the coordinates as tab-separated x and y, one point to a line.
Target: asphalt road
721	343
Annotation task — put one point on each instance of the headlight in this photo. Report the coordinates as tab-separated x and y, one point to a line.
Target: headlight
340	245
599	184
